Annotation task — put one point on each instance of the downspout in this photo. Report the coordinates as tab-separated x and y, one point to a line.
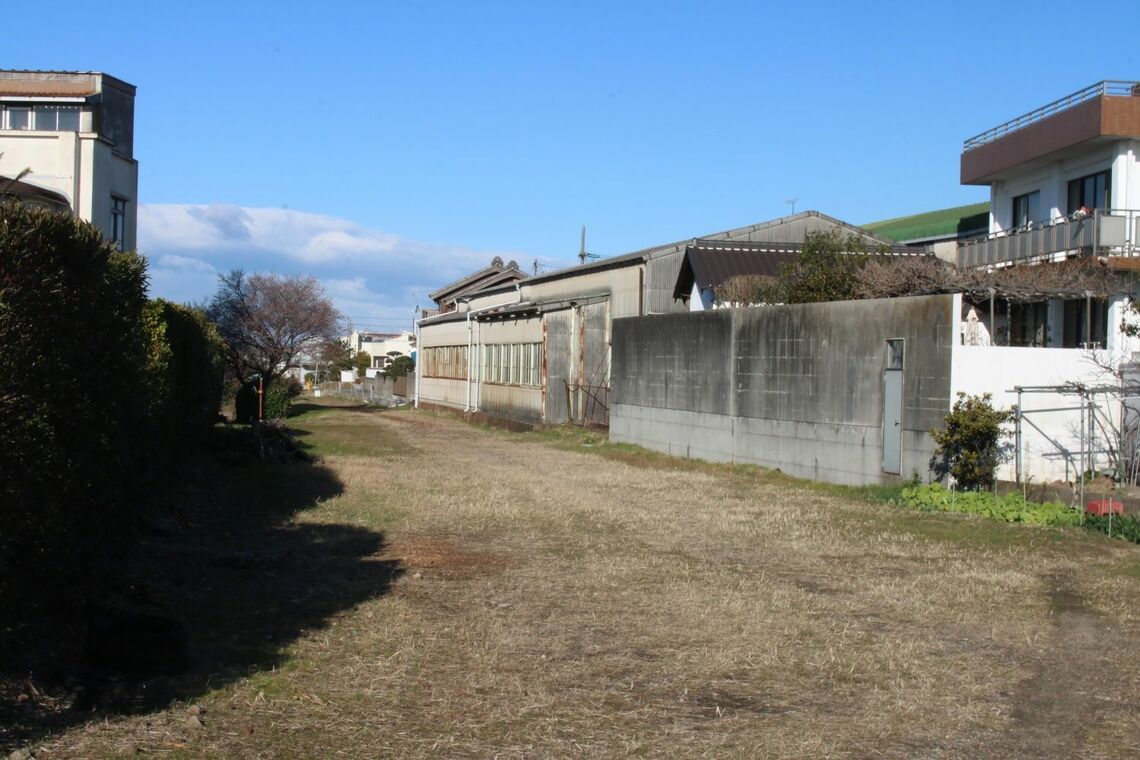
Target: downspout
419	362
470	313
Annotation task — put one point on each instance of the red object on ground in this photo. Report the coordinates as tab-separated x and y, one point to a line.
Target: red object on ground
1104	506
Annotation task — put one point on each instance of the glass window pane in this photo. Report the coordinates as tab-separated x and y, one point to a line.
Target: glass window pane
69	119
19	118
46	117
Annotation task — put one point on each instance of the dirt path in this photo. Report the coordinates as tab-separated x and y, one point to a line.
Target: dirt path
503	596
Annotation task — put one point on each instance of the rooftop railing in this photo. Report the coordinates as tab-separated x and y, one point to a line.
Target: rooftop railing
1114	232
1107	87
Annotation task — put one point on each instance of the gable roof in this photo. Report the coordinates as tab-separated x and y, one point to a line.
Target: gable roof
709	264
494	275
784	229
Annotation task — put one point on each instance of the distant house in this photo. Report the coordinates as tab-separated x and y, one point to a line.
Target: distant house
708	265
74	132
495	275
383	347
538	348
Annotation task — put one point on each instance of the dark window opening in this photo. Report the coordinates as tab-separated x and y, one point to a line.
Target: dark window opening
1093	191
1026	209
1085	328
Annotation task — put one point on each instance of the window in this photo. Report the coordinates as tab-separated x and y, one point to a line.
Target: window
1091	192
1085	327
1026	209
57	118
16	117
513	364
895	353
118	220
448	362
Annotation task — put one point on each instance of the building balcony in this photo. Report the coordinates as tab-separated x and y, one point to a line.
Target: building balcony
1114	232
1108	110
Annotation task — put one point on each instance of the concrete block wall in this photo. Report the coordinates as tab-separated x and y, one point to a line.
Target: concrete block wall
799	388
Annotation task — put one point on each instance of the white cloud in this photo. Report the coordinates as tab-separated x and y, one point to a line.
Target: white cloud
373	276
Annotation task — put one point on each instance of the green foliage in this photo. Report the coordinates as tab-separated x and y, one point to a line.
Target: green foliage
400	366
279	396
1120	526
970	446
76	438
1011	508
361	362
276	403
185	370
827	269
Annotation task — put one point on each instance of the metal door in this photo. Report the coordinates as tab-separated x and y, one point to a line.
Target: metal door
892	408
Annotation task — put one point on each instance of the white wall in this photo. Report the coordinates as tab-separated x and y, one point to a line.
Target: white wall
84	169
1052	181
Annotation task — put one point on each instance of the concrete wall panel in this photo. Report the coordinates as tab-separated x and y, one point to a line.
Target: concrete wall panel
799	388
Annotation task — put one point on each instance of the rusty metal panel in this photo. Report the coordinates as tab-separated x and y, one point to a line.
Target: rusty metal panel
557	358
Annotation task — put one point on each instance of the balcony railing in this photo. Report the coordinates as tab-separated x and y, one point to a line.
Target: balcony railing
1107	87
1113	232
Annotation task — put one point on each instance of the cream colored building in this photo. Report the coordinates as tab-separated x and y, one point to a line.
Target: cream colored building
74	133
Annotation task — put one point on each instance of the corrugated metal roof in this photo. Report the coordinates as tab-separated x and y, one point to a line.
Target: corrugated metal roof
488	277
785	229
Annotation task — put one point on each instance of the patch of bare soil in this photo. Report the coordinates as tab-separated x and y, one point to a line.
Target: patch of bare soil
1054	707
444	557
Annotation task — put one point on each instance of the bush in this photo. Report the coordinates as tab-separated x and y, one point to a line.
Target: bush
185	370
278	398
75	436
1126	527
275	405
970	447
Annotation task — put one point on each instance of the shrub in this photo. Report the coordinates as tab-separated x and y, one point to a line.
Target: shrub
278	397
970	447
75	435
275	404
185	370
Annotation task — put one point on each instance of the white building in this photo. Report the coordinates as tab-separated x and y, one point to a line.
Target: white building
74	133
1064	179
384	348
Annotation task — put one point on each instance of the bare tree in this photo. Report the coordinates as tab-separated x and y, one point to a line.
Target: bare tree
266	320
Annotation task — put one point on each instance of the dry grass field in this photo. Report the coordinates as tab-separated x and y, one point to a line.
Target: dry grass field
434	589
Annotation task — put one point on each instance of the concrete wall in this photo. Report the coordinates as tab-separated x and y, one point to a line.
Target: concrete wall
794	387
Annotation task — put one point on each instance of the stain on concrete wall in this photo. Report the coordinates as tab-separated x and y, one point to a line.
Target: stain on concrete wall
795	387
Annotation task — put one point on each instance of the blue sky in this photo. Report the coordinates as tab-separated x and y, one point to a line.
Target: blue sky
414	141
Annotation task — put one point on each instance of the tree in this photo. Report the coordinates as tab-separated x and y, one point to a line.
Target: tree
400	366
361	361
266	320
826	270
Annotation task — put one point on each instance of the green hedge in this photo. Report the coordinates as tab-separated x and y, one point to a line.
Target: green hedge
74	358
99	392
185	374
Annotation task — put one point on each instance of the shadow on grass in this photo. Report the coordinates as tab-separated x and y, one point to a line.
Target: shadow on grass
227	569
